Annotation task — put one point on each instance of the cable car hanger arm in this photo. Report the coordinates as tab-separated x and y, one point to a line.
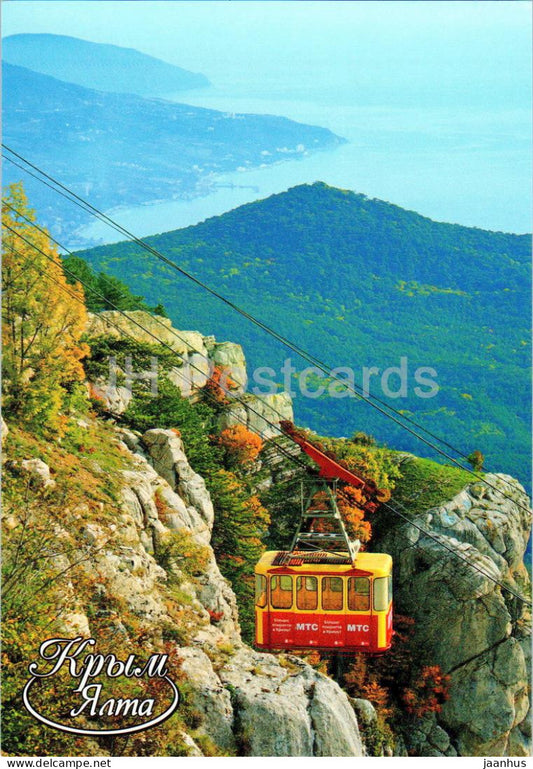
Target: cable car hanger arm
331	469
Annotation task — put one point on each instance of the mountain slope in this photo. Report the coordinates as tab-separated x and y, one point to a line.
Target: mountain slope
97	65
121	149
362	283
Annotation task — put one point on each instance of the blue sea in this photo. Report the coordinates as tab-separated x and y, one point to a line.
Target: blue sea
464	165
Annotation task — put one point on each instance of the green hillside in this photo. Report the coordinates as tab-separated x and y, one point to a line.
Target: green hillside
363	283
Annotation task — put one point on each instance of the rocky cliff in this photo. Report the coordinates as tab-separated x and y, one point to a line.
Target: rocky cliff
200	356
144	550
248	703
477	632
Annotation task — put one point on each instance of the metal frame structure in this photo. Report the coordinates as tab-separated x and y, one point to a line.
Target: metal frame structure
336	541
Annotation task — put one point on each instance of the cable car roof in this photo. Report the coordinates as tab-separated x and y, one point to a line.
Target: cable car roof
376	564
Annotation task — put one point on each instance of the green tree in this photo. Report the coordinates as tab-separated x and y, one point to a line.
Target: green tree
476	460
241	524
103	291
170	410
42	320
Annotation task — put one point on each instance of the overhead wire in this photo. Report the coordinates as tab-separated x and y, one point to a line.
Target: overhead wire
436	538
171	329
288	454
157	340
356	390
74	198
156	318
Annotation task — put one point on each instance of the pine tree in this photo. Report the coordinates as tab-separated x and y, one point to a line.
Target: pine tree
241	523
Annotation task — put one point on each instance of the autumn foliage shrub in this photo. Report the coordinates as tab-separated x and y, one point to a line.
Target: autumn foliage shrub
178	549
361	681
219	385
399	682
241	446
350	501
428	692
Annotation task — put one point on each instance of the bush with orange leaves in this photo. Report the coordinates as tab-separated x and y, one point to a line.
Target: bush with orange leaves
218	386
428	692
361	682
397	682
314	659
240	444
349	502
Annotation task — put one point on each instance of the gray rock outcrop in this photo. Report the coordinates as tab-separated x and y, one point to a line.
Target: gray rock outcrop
290	709
230	358
197	357
260	413
35	471
469	626
193	364
166	452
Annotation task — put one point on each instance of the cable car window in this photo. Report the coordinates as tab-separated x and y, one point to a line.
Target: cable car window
359	594
307	593
389	579
281	592
332	593
260	591
381	594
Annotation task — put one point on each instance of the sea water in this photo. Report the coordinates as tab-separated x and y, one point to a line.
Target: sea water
460	164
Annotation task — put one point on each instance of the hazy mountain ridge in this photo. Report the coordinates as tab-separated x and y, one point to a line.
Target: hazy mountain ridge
98	65
378	283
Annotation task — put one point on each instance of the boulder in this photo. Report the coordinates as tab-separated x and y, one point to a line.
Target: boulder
188	508
193	366
327	706
166	452
288	710
229	357
143	326
259	413
209	697
115	399
38	473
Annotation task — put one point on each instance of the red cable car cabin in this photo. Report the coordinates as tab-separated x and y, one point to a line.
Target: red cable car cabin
323	593
312	600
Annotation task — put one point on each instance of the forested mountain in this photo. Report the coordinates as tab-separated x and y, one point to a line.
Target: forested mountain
361	282
97	65
122	149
